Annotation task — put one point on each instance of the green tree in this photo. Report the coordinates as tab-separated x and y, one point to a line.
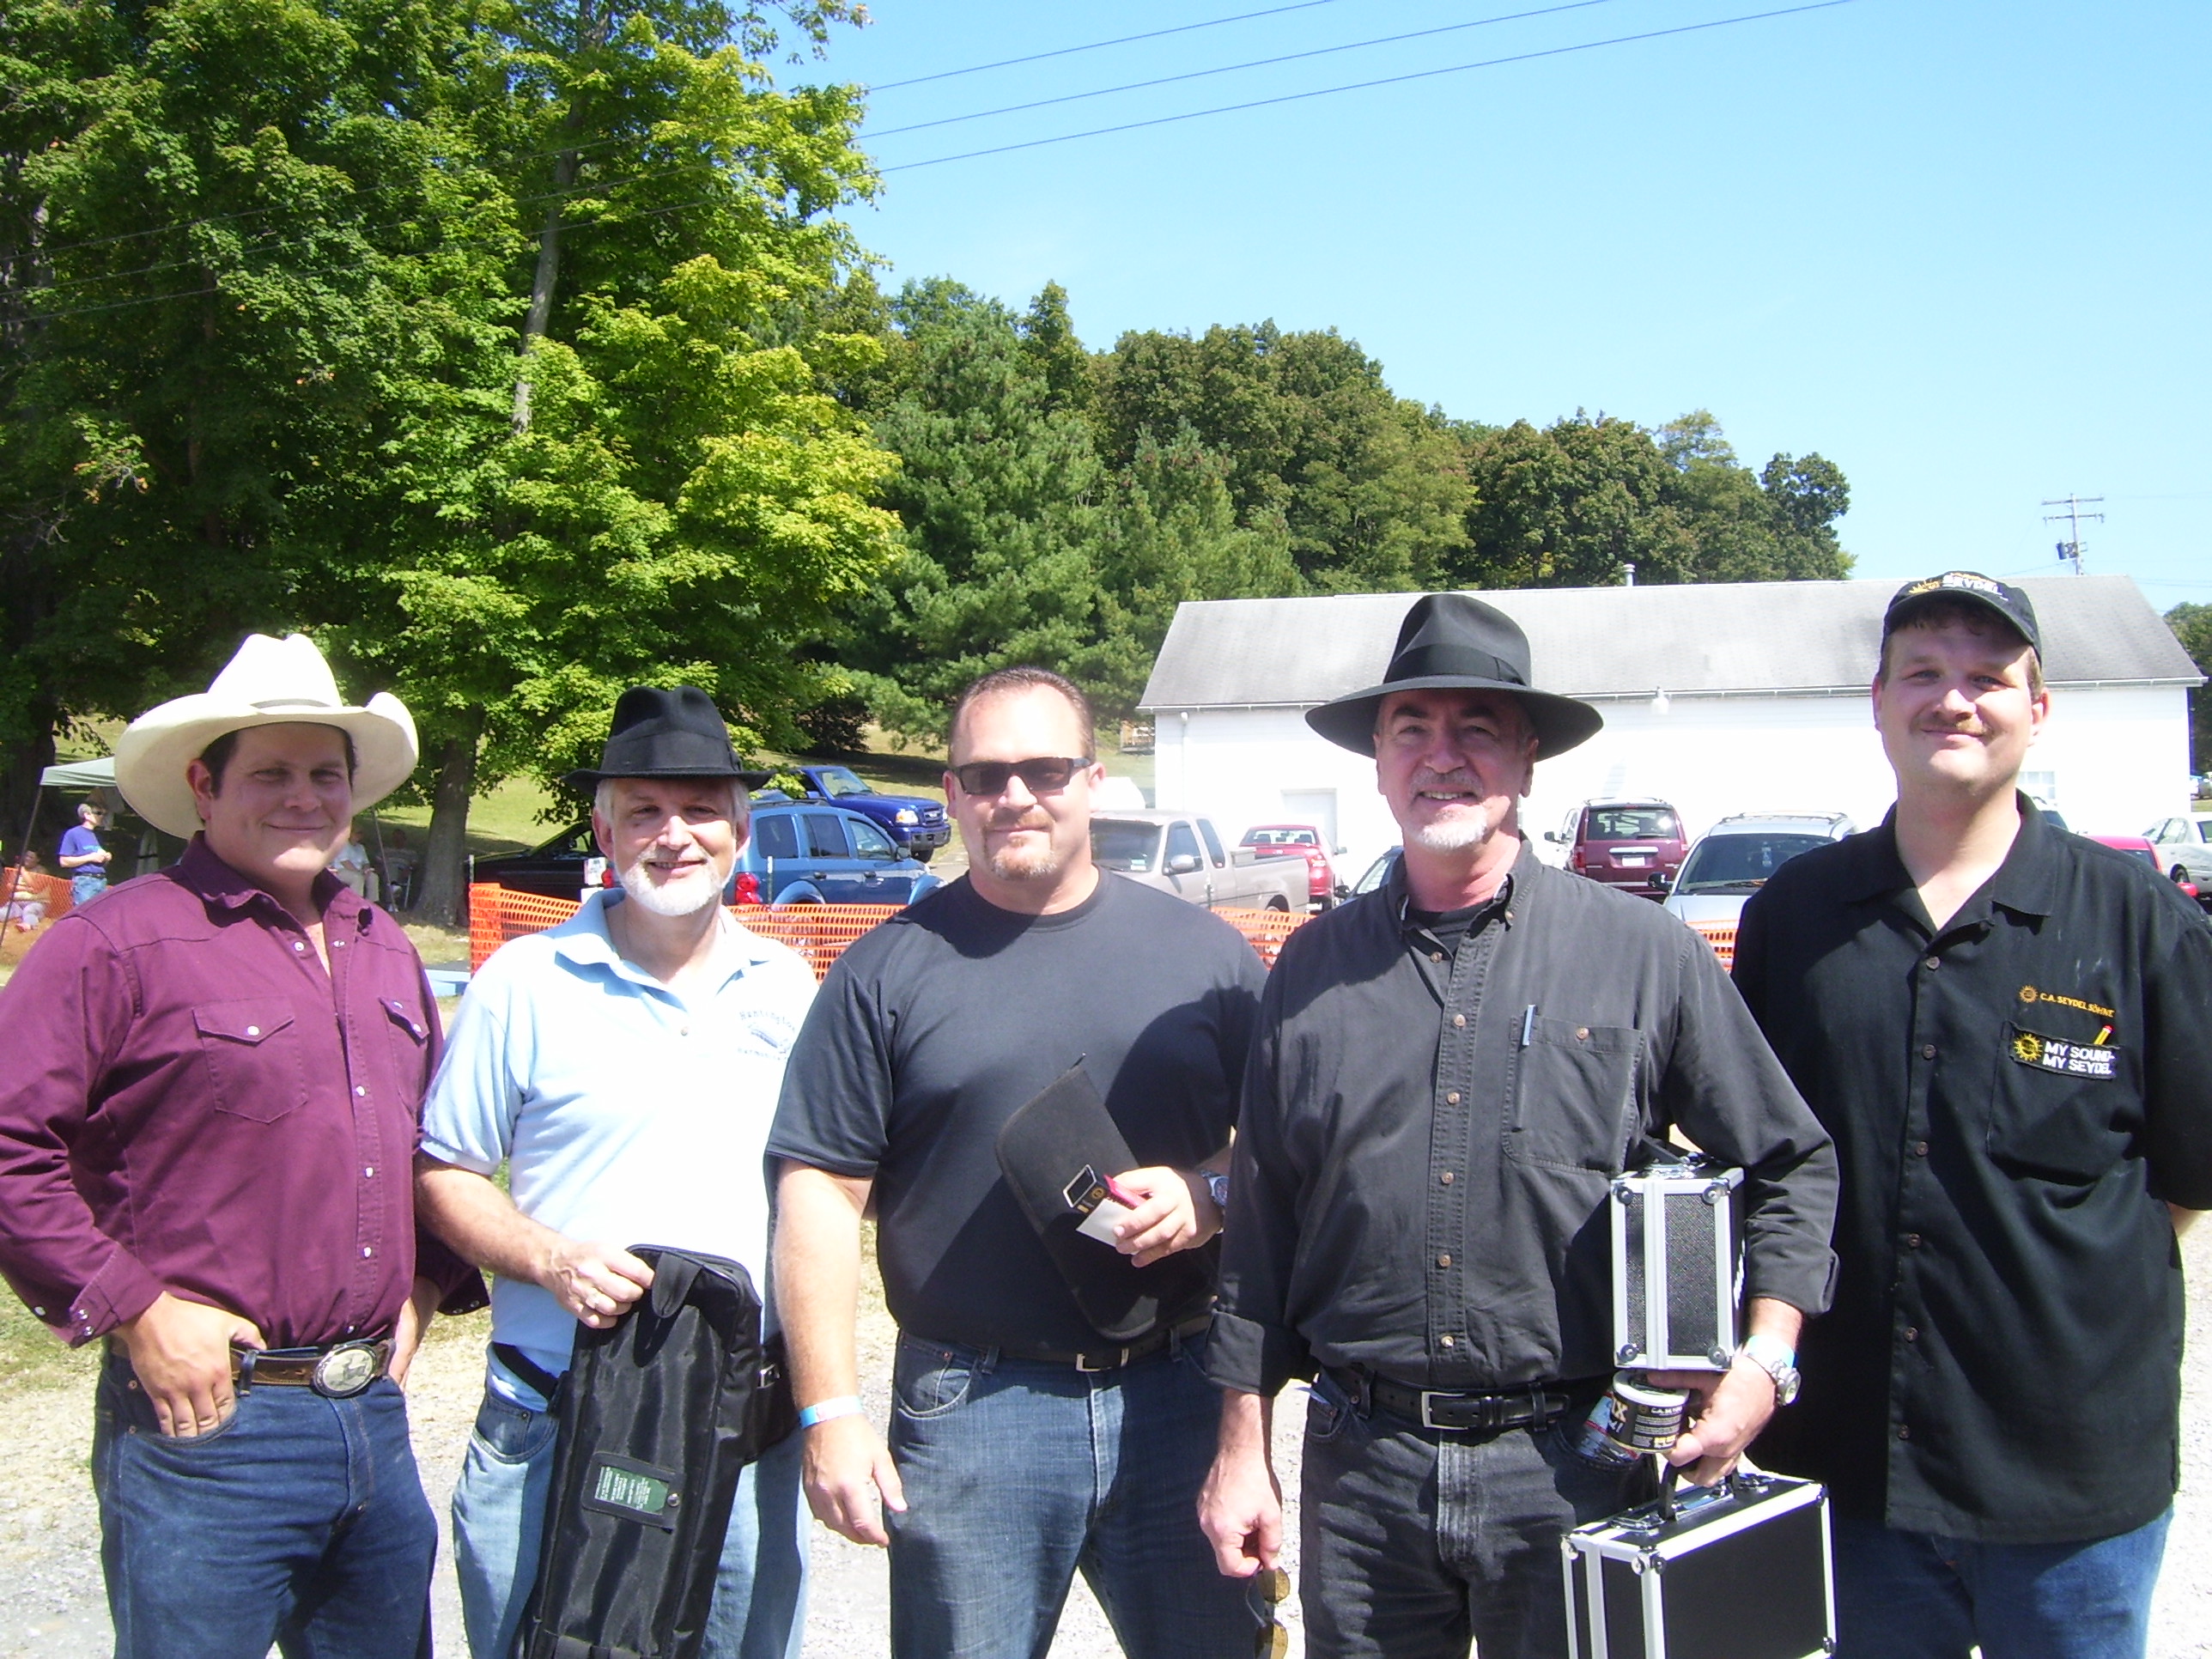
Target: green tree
2192	626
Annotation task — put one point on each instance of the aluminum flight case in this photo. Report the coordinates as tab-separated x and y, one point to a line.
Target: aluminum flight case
1744	1571
1675	1266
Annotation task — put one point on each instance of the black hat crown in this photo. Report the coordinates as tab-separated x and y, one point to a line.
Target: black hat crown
661	732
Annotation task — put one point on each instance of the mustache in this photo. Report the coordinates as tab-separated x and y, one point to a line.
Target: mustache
1458	778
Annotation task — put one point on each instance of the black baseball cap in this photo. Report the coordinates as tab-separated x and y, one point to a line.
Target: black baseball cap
1970	587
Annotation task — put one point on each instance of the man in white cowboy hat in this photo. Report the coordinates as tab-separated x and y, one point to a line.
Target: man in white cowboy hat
205	1136
1447	1073
623	1066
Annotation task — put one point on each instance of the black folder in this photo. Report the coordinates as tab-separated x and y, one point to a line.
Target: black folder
1045	1150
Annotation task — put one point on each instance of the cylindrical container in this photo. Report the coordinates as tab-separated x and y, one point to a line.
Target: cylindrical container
1593	1438
1647	1419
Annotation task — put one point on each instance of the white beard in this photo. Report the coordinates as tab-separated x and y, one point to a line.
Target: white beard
1456	833
683	898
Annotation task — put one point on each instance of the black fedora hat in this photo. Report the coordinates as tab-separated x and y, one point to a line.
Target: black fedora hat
659	733
1454	642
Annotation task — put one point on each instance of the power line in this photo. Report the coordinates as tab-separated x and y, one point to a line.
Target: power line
1231	69
1097	45
1363	86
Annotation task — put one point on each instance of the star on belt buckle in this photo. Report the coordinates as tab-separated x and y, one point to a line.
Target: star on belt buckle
346	1369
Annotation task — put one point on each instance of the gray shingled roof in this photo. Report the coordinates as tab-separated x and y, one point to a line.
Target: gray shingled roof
1733	638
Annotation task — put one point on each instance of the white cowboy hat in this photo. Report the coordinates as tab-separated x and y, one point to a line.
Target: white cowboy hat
269	683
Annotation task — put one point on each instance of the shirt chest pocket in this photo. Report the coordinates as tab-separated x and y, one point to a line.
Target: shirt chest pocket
252	1053
408	1035
1574	1095
2056	1110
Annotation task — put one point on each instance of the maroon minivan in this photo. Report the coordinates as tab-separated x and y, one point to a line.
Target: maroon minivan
1625	843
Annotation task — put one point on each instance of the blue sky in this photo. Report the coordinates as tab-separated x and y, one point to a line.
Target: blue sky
1958	247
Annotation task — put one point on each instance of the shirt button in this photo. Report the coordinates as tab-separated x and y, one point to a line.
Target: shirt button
1581	1034
1926	1051
253	1030
1444	1340
1905	1431
1446	1177
683	1030
1920	1149
1912	1241
1933	964
1443	1261
1912	1333
1436	955
366	1251
1452	1099
41	1312
1459	1020
298	944
368	1174
361	1088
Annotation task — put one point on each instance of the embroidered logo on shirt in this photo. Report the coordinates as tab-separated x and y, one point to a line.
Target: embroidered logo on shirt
2029	994
2047	1054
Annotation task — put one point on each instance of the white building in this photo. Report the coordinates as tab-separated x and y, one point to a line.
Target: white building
1723	698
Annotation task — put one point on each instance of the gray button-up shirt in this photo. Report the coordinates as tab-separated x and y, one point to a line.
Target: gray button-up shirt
1427	1135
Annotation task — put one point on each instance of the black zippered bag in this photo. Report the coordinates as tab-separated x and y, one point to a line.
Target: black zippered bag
658	1414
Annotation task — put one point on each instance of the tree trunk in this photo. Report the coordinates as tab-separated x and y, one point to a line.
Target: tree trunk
443	899
21	762
592	30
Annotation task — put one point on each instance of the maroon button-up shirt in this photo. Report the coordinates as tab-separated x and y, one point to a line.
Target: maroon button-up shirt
190	1102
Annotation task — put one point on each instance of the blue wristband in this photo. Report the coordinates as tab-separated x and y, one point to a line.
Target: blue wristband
844	1405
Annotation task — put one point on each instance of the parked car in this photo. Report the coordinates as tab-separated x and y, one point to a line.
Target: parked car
2140	846
1634	844
1378	872
916	823
803	851
2185	847
1275	841
1181	852
1733	859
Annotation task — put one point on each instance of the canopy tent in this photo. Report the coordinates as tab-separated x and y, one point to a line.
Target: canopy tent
80	774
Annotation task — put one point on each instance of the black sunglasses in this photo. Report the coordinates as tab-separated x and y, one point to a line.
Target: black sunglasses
1047	774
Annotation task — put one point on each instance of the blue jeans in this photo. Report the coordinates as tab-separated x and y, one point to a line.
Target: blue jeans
499	1515
301	1521
83	889
1019	1473
1918	1596
1412	1545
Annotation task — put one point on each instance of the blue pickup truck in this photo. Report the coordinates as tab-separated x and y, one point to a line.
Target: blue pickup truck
916	823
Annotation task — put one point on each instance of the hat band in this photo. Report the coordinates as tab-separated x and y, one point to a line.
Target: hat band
311	705
1442	660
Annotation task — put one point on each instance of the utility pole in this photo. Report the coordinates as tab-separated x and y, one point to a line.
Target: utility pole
2073	515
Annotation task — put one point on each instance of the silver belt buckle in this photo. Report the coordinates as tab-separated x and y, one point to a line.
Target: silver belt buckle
1428	1417
347	1369
1121	1359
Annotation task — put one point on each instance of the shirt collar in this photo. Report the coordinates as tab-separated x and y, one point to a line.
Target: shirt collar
217	883
2023	885
584	940
1400	901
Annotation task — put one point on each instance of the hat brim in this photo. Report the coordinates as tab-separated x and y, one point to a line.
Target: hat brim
151	755
1560	723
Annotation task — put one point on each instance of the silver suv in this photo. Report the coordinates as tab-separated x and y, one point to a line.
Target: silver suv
1733	859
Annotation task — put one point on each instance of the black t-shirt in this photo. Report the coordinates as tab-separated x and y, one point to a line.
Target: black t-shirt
933	1030
2012	1096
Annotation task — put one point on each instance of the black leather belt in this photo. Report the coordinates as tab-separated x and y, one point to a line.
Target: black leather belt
1454	1411
337	1372
1112	1359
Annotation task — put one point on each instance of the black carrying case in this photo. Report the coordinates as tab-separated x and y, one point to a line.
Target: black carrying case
659	1415
1741	1570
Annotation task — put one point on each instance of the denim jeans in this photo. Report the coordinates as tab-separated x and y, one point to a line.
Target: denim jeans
83	889
299	1522
1020	1473
1919	1596
1415	1544
499	1514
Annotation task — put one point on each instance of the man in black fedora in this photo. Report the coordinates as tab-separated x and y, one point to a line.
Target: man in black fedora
1447	1073
624	1066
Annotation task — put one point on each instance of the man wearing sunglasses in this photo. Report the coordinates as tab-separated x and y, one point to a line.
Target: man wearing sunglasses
1024	1444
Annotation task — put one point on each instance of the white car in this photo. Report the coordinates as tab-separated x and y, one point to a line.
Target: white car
2185	847
1733	859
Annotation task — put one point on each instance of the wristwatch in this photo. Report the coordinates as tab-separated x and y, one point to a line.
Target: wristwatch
1777	1359
1217	1188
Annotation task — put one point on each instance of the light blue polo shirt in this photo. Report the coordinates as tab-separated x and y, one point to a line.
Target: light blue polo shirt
626	1112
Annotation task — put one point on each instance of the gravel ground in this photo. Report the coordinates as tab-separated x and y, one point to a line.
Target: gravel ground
49	1538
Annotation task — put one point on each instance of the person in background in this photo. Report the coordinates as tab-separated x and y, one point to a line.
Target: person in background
82	855
352	867
206	1126
26	903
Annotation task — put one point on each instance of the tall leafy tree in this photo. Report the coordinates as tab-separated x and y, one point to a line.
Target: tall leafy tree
2192	626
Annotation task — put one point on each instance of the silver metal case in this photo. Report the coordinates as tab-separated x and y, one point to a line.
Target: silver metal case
1743	1571
1674	1267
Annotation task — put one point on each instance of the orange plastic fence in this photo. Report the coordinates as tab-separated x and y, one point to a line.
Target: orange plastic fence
52	891
819	932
